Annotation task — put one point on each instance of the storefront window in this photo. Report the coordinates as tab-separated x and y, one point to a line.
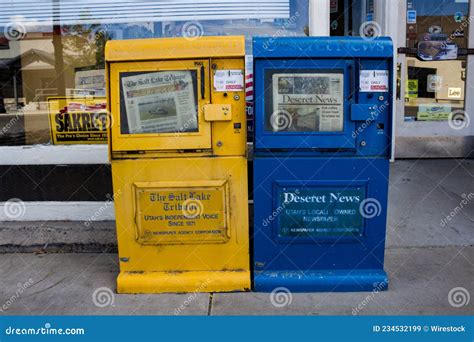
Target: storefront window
355	18
56	50
437	37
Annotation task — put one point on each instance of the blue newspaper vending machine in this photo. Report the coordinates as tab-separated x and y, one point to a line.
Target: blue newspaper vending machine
321	162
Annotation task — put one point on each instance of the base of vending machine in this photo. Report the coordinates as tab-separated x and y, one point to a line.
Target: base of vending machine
322	281
319	223
182	224
172	282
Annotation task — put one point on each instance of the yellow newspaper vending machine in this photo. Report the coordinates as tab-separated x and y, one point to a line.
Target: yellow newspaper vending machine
177	142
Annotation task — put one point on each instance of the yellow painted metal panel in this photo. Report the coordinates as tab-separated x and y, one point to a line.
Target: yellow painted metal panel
181	198
218	112
229	137
109	115
174	48
197	281
213	137
223	263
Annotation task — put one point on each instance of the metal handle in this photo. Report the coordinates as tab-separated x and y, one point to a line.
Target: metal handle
351	82
399	81
414	51
203	84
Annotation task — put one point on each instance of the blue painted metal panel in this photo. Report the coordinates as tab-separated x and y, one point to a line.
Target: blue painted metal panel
320	47
320	198
372	134
310	257
363	112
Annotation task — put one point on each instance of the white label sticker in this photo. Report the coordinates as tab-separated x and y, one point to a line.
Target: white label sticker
373	80
229	80
454	93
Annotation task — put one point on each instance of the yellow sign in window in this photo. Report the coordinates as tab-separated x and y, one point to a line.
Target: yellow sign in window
78	120
181	213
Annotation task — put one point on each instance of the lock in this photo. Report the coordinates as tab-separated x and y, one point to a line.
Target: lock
218	112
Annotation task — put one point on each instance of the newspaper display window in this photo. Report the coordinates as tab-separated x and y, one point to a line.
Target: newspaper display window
304	101
158	102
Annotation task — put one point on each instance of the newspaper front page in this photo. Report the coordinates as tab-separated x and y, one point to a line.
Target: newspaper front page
160	102
307	102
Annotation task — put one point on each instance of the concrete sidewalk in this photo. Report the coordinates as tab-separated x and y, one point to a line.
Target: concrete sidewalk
421	194
429	259
66	284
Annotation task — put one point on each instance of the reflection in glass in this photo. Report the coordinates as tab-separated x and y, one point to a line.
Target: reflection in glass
56	48
433	90
446	21
435	75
